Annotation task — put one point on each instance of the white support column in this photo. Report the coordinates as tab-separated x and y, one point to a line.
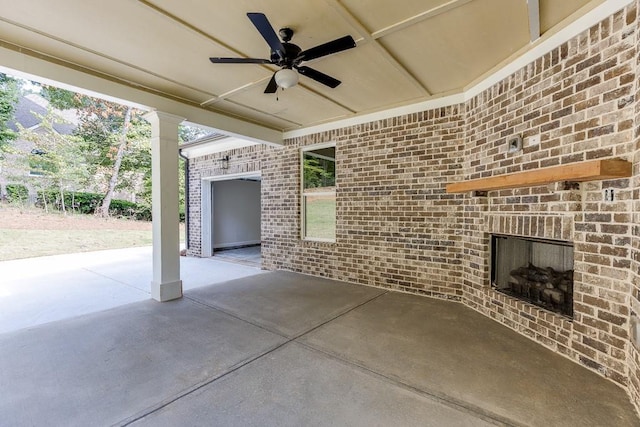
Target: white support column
166	284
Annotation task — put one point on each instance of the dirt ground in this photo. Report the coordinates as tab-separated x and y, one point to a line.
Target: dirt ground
37	219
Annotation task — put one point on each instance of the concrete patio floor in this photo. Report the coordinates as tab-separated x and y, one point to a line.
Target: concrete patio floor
35	291
279	348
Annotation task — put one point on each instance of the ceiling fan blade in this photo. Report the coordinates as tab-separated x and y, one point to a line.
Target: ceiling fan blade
263	26
272	86
217	60
319	77
337	45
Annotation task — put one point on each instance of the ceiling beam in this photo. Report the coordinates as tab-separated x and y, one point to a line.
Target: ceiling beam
214	99
452	4
181	22
33	65
173	18
534	19
223	96
365	34
103	56
255	110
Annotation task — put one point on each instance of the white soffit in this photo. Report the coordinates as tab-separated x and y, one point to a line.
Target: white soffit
217	145
537	49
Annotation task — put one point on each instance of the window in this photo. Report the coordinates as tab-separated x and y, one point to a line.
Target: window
318	165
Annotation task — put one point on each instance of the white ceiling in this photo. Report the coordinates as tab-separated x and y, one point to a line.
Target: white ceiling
407	51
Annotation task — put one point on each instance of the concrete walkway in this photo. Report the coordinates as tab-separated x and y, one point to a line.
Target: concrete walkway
283	349
34	291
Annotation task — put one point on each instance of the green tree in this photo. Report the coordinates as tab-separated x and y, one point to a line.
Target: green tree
318	172
9	93
109	132
114	138
56	160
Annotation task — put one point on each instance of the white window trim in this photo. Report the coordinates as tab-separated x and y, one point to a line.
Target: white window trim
303	230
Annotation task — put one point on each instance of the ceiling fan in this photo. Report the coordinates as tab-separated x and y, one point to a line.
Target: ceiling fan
288	56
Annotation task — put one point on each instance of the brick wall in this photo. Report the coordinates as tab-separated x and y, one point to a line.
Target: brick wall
398	229
581	99
395	225
248	159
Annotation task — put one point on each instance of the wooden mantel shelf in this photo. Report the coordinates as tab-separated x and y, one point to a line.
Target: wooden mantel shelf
585	171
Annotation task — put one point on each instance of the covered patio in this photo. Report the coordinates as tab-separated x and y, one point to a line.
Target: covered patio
282	348
435	94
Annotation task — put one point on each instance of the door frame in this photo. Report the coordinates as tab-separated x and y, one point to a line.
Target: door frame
207	208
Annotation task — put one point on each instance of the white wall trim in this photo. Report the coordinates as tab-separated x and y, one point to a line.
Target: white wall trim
520	59
378	115
231	176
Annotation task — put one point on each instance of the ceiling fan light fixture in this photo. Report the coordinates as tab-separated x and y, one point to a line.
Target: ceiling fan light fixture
286	78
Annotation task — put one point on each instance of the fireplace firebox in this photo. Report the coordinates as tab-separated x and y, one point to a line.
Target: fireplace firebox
534	270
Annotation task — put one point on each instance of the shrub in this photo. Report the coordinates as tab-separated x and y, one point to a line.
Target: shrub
87	203
143	212
122	208
17	193
84	203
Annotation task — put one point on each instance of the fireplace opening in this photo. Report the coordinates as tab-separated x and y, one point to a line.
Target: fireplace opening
534	270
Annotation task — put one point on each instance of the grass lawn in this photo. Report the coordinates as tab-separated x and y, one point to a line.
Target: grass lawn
30	232
321	217
15	244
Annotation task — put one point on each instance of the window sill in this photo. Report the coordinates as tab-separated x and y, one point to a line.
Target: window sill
318	240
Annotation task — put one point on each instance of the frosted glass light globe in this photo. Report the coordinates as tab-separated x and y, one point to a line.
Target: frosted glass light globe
286	78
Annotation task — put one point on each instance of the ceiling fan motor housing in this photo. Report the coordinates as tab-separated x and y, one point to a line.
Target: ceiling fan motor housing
291	52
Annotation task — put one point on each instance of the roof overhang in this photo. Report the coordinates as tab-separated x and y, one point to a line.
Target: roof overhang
36	66
213	144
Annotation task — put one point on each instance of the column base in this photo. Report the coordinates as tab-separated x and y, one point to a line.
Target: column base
166	291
